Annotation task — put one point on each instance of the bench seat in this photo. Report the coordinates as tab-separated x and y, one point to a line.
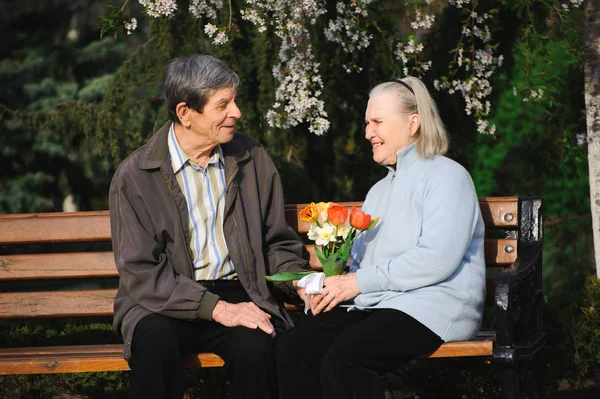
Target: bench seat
92	358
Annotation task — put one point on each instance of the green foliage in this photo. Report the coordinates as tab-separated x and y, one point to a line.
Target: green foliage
586	333
111	22
531	131
445	378
49	88
95	88
92	385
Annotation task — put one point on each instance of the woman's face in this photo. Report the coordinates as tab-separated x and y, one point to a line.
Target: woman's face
388	129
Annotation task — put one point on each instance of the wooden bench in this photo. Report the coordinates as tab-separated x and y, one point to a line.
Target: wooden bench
512	251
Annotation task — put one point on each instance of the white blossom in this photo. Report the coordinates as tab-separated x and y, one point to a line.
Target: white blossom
130	26
323	235
484	127
459	3
254	16
567	5
205	8
346	30
159	8
537	94
298	97
299	80
210	30
221	38
343	230
476	62
424	21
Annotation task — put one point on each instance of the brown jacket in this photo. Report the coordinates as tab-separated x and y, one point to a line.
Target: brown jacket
150	235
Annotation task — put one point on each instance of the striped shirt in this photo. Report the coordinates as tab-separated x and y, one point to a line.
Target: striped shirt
204	191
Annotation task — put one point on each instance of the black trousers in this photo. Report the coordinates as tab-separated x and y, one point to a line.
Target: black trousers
160	343
340	354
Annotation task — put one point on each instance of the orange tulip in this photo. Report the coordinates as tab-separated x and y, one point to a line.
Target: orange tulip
309	214
337	214
359	219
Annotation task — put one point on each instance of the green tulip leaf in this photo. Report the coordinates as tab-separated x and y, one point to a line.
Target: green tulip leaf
288	276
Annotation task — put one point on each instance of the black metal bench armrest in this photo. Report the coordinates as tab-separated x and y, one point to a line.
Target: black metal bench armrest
518	298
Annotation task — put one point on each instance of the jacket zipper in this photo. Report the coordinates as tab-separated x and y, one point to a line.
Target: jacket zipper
234	173
387	204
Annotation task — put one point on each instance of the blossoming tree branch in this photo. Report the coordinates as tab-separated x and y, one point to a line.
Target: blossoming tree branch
353	27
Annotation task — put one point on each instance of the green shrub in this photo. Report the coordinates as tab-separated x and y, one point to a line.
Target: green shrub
586	334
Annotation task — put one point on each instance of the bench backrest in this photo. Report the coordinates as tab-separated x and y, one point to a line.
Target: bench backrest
49	232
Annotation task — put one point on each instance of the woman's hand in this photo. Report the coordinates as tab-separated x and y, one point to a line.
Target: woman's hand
336	289
300	291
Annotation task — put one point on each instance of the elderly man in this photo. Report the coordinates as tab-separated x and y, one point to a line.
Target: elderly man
197	222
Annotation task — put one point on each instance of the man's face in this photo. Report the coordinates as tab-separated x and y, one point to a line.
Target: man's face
216	123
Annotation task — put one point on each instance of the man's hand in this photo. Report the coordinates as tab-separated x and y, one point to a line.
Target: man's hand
245	314
302	294
336	289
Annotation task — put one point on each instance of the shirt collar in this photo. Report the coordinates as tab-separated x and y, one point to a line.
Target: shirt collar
179	158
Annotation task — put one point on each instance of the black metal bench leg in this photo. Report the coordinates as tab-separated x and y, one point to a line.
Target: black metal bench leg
531	375
509	375
523	379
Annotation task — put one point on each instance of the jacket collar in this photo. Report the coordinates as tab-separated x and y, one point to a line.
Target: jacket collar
405	157
156	152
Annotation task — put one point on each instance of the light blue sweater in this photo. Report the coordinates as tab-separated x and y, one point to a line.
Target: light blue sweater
425	256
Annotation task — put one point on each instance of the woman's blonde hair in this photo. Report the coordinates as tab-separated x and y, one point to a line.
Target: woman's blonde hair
432	136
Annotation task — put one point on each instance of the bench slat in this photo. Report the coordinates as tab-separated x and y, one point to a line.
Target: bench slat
500	212
95	226
54	227
493	211
92	358
102	264
59	265
57	303
483	347
490	291
495	253
81	303
80	358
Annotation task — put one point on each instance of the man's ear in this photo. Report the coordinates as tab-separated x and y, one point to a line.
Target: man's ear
414	123
183	113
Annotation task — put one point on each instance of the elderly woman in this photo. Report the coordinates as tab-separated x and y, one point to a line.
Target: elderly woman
417	279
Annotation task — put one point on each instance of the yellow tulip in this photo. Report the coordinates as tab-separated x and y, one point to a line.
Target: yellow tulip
309	214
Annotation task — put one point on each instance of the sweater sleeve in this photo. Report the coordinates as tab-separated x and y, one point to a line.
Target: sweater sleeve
450	214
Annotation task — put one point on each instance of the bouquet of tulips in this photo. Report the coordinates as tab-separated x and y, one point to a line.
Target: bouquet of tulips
334	228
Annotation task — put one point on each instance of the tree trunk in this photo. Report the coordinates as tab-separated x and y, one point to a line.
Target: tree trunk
592	104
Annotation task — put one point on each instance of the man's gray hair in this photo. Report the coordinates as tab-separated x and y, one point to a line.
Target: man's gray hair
193	80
